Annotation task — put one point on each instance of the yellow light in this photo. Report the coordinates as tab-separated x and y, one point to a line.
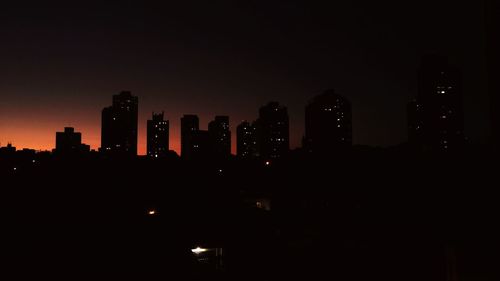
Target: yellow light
152	212
198	250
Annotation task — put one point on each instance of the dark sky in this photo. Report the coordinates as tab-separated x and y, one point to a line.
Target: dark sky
60	64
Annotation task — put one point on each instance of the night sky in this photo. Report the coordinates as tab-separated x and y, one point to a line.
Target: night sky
60	65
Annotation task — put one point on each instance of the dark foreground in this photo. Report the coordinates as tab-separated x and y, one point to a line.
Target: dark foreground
373	215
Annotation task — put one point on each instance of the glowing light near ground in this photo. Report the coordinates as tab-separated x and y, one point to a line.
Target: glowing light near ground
152	212
198	250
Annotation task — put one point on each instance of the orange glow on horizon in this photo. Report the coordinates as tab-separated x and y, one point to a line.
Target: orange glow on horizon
45	139
41	137
32	127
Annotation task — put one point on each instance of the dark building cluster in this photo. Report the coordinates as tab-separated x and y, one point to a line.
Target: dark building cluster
328	129
200	144
269	213
435	124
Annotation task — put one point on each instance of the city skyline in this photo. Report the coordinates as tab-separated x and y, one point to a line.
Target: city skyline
250	140
122	100
60	67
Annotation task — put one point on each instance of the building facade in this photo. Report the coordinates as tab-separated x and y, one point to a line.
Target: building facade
119	125
440	116
246	141
157	136
220	137
190	124
273	131
328	121
69	142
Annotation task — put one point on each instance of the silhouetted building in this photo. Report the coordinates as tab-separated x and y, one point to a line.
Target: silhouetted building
246	140
414	111
157	136
273	131
8	150
328	123
493	45
440	109
199	145
189	125
119	125
69	142
220	137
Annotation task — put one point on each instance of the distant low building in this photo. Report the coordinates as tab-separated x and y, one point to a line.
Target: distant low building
69	142
8	150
